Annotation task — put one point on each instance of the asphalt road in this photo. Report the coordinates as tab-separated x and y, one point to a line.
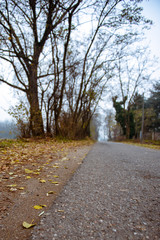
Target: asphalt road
115	194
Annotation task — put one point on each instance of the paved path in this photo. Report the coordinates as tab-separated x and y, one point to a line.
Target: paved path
113	195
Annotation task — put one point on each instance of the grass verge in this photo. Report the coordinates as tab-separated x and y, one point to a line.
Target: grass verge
146	143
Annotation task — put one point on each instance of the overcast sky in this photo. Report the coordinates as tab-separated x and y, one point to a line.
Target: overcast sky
151	11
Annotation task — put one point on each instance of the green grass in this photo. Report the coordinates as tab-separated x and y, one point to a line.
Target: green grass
6	143
146	143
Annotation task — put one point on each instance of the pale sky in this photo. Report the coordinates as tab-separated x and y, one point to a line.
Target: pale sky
151	11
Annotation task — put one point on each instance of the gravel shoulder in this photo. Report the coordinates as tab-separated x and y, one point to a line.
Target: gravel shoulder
114	194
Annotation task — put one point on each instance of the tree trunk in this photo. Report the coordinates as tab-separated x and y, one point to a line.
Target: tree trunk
48	125
56	129
36	121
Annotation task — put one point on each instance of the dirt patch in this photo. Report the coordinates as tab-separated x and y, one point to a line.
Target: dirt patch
33	173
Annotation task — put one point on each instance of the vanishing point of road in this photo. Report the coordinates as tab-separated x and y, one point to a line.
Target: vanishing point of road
114	194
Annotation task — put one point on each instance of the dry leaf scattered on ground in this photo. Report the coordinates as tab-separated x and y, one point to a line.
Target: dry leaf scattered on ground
32	173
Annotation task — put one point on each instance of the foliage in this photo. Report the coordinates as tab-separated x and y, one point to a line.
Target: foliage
125	118
151	111
61	69
154	103
21	114
120	114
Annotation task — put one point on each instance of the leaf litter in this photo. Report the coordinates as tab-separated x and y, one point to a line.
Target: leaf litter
25	164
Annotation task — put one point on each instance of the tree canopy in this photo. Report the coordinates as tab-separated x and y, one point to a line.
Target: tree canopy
62	55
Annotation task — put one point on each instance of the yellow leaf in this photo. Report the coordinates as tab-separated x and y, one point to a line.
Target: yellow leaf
55	166
55	176
28	225
36	173
39	206
60	211
28	171
12	162
55	182
51	192
21	188
42	181
28	177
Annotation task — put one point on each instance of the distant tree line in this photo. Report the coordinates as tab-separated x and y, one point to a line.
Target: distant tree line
129	121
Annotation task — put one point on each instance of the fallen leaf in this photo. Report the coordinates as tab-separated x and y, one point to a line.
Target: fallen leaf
39	206
13	189
64	159
13	185
55	166
55	176
28	171
42	181
12	162
55	183
28	225
51	192
21	188
36	173
28	177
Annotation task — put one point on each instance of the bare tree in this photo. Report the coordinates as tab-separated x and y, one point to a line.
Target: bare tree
94	65
133	72
37	40
25	30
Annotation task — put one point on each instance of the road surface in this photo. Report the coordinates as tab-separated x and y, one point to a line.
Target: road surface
115	194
